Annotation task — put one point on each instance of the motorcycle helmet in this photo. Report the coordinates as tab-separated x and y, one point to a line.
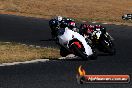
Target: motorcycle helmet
83	26
72	25
83	29
59	18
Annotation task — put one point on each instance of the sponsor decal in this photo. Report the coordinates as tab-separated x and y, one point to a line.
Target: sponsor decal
83	78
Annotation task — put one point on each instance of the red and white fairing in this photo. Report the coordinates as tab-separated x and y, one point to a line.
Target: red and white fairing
70	35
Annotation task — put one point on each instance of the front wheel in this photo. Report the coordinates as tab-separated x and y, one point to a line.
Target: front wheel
77	51
112	51
109	47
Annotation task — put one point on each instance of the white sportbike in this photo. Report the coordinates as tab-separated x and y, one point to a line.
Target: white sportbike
72	42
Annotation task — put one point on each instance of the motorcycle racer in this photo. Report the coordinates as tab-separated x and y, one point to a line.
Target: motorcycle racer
61	22
72	42
64	29
86	29
89	29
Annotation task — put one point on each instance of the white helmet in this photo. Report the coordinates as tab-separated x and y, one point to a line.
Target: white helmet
59	18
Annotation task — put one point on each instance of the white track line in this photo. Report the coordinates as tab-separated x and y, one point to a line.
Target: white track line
38	46
26	62
104	23
32	45
94	22
84	21
118	24
7	42
23	44
70	56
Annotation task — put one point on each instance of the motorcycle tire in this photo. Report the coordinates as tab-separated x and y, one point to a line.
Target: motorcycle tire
78	52
111	49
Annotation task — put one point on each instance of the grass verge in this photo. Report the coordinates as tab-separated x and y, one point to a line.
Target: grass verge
96	10
14	52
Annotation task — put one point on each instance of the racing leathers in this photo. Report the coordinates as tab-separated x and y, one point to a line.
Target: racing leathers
56	24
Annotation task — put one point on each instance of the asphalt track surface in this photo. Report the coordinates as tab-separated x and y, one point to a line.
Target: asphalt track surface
60	73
